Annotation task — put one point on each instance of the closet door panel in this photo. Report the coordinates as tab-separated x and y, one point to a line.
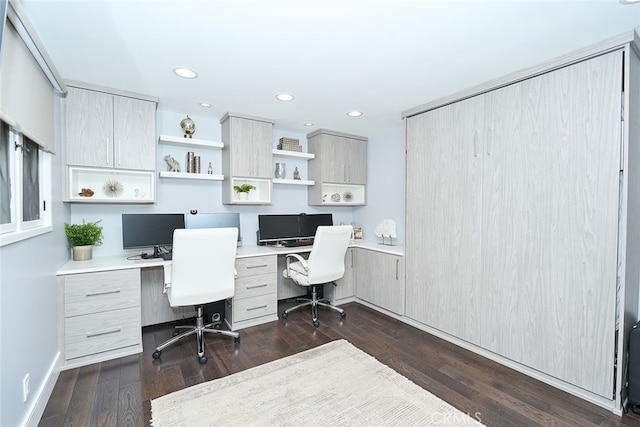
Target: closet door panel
444	170
550	221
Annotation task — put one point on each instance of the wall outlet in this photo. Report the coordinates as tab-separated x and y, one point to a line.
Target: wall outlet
25	388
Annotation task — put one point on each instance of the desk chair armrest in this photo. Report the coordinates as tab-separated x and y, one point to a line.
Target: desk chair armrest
299	258
167	278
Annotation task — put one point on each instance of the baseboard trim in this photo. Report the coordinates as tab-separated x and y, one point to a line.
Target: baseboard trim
39	403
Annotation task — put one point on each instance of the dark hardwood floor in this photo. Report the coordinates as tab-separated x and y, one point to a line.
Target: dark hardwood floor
119	392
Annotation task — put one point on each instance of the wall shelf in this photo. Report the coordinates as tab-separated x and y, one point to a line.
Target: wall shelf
189	142
295	154
198	176
343	194
133	186
293	181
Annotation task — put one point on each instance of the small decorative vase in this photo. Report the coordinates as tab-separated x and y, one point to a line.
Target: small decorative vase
243	196
82	253
281	172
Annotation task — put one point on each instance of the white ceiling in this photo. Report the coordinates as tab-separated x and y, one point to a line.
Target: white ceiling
380	57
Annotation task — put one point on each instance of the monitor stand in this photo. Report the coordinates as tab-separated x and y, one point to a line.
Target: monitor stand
156	253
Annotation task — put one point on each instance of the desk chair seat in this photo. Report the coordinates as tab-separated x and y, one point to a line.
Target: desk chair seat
325	265
202	271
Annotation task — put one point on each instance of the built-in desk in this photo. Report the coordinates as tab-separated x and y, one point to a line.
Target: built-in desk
103	303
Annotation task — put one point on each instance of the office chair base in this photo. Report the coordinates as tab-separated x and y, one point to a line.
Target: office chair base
199	331
314	302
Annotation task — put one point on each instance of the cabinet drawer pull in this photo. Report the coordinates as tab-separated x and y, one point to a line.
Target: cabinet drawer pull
257	286
397	265
257	308
256	266
95	294
97	334
476	153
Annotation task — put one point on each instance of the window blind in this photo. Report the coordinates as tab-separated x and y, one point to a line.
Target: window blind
26	95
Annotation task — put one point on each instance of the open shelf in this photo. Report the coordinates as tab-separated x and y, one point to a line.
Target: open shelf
190	142
293	181
343	195
185	175
295	154
261	195
132	186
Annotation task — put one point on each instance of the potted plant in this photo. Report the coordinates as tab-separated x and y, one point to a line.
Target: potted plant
243	190
82	238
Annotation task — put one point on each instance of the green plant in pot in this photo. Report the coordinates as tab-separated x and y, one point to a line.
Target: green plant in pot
243	190
82	238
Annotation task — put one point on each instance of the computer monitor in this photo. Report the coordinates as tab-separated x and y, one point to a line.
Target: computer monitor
150	230
308	224
215	220
274	228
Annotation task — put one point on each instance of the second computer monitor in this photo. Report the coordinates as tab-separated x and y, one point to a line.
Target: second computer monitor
215	220
307	224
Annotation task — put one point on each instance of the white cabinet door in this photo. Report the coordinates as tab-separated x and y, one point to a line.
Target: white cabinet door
550	221
88	128
380	279
444	208
134	133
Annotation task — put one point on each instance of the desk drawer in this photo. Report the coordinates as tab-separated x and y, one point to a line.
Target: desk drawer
95	333
256	265
249	308
251	286
103	291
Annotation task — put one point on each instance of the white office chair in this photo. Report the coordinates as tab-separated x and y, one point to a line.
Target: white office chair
202	271
325	265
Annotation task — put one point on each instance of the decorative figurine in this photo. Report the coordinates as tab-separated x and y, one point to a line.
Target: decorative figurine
188	127
172	163
296	173
210	169
112	188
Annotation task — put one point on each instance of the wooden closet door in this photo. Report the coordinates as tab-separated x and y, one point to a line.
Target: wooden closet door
550	221
444	203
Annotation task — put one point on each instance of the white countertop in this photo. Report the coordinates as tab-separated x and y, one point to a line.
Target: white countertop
120	262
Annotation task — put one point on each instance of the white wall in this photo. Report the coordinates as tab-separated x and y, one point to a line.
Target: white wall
385	184
28	334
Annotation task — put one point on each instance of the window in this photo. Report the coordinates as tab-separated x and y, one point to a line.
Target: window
24	187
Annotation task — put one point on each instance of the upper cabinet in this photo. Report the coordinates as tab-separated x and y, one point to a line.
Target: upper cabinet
339	168
246	158
110	145
109	131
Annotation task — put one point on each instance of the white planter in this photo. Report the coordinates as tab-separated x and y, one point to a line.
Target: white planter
243	196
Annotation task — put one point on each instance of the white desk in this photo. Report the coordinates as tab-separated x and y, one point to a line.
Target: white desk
103	303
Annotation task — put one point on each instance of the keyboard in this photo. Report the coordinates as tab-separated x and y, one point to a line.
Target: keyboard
294	244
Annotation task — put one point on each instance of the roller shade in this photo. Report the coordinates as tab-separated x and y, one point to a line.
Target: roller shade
26	95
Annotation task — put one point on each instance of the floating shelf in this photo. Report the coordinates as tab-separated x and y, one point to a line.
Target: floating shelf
295	154
343	195
190	142
185	175
293	181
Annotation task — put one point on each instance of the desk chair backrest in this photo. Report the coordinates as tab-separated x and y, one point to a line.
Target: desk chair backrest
326	261
203	265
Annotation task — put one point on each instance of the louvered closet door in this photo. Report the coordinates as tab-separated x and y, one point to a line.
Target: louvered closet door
550	221
444	202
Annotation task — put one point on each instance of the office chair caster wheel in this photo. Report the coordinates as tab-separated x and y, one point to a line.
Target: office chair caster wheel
343	314
236	339
175	333
202	360
156	354
285	315
316	323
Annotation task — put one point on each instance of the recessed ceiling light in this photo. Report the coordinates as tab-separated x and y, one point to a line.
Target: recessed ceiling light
186	73
629	1
205	104
308	124
354	113
283	96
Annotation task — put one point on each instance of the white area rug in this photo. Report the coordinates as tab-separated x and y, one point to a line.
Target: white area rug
332	385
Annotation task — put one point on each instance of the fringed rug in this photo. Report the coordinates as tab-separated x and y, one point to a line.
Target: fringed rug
332	385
